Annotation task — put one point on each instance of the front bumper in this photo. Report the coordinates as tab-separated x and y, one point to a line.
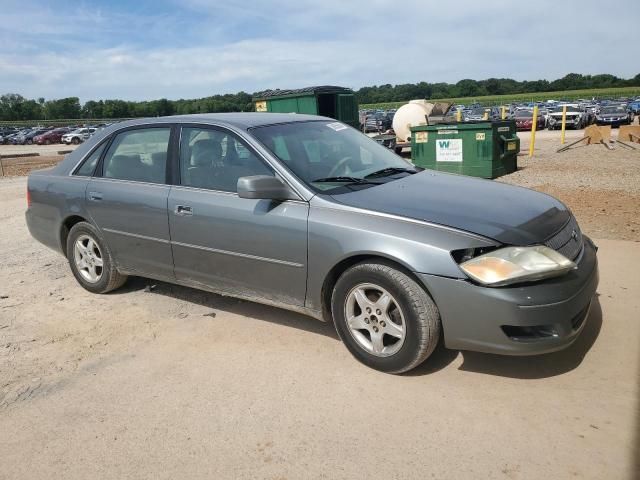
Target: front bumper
613	123
484	319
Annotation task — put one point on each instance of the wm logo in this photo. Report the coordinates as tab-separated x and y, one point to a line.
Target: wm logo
443	143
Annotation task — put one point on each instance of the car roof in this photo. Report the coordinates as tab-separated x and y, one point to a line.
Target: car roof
242	120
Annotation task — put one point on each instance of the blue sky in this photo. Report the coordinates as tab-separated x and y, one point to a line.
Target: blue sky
147	49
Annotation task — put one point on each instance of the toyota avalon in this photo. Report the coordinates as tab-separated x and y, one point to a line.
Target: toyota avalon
308	214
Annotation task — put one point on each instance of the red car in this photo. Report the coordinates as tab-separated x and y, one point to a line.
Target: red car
52	136
524	119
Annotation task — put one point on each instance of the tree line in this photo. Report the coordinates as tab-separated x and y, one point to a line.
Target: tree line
16	107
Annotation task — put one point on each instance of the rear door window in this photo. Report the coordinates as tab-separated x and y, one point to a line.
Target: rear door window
139	155
89	165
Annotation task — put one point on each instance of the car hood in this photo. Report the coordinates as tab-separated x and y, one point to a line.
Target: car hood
511	215
569	112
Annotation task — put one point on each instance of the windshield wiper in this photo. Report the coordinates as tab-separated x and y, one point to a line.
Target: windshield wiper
390	171
345	180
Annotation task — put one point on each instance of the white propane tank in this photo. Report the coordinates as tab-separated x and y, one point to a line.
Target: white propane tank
410	115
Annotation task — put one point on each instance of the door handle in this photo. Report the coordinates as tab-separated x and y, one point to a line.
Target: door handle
95	196
183	210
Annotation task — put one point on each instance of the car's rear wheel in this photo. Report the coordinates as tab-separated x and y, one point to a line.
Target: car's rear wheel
29	142
75	140
91	261
47	142
384	317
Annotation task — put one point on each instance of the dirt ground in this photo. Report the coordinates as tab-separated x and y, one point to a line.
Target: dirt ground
601	186
159	381
12	167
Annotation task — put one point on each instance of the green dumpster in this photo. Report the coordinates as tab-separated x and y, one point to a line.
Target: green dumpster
328	101
479	149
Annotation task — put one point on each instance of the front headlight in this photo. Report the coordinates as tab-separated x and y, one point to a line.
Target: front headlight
517	264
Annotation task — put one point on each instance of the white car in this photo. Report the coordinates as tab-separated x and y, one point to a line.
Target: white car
576	117
78	136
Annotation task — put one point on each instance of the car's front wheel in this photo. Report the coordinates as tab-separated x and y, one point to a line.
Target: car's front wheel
384	317
91	261
75	140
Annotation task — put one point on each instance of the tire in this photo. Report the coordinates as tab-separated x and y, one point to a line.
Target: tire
398	150
47	142
75	140
109	278
29	142
411	313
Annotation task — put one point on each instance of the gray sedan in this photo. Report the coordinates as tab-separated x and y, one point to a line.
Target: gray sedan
308	214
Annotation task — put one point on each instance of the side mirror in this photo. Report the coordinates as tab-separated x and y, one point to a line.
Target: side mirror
264	187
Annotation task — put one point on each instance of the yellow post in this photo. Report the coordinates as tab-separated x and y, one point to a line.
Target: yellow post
503	113
564	123
458	115
534	124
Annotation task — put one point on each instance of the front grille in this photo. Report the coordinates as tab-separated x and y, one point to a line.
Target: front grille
568	241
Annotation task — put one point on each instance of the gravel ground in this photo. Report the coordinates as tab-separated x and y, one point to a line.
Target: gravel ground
12	167
601	186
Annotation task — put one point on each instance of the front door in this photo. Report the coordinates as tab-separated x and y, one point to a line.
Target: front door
127	200
250	248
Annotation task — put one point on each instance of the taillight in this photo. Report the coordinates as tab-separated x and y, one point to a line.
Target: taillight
28	198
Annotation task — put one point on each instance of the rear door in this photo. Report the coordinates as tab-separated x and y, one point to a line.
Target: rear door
127	200
234	245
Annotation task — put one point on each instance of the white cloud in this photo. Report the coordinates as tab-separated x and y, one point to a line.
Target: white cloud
254	45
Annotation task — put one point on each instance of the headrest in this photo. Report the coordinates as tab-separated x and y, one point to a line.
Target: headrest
122	166
205	152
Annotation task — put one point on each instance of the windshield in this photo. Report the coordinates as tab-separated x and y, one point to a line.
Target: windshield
331	157
613	110
570	108
524	114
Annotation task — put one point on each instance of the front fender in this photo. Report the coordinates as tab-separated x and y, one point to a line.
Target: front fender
337	233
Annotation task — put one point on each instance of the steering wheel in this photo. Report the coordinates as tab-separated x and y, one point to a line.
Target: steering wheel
341	163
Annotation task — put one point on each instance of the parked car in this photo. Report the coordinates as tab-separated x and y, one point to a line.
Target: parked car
309	214
614	115
524	120
7	138
78	136
634	106
377	122
6	133
482	113
26	136
51	136
575	118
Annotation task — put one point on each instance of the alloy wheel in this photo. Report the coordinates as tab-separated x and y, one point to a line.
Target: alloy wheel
88	258
375	320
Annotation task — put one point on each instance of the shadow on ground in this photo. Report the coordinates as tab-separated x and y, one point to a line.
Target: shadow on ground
528	367
232	305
